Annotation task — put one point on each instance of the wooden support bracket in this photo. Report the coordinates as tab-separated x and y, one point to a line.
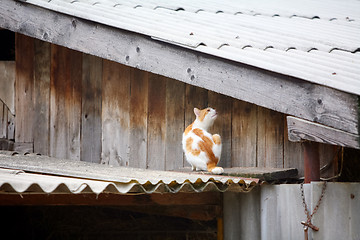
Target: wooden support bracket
300	130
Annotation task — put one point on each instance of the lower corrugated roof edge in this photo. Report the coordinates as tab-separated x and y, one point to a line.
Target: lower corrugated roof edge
33	173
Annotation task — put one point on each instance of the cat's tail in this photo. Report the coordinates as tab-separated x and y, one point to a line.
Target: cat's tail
217	170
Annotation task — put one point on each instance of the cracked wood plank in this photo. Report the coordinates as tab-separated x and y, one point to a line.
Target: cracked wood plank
299	130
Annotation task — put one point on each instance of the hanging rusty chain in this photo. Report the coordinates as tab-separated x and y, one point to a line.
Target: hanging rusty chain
308	215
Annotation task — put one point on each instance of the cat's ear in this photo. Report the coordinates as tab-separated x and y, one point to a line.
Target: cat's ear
197	111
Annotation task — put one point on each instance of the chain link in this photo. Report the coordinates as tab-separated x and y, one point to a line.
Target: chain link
308	215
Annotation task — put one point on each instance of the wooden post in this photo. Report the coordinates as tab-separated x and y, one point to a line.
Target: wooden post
311	161
220	229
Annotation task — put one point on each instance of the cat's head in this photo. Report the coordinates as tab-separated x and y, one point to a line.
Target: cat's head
205	117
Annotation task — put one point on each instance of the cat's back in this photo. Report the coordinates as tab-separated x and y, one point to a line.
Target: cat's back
194	132
188	130
187	134
193	136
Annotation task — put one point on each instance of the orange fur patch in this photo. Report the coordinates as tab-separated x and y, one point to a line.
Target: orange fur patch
202	114
206	146
189	148
188	129
211	165
216	139
198	132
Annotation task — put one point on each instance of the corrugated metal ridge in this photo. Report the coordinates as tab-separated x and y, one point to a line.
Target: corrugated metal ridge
319	74
247	32
171	26
16	181
324	9
40	174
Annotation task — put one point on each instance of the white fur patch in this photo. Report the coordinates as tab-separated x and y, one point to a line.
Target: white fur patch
217	170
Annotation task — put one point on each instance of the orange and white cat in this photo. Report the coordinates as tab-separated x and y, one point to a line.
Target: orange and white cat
202	149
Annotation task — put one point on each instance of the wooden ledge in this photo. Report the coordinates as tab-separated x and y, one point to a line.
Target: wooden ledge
300	130
264	174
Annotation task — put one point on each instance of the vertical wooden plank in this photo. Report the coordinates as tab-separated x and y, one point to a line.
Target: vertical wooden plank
175	100
115	113
6	119
293	153
244	134
41	97
261	138
3	127
24	55
59	74
65	103
7	124
10	126
270	138
138	118
194	97
3	120
156	122
222	125
7	83
91	109
74	104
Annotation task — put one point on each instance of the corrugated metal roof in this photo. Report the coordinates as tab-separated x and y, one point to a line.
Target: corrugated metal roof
40	174
312	40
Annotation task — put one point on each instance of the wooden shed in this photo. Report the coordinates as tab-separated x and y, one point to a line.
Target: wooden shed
115	83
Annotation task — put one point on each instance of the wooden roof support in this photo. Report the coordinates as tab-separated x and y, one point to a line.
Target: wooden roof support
311	134
300	130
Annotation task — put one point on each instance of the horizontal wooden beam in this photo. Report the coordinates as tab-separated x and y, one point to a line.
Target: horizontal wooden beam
169	199
300	130
24	147
6	144
198	206
264	88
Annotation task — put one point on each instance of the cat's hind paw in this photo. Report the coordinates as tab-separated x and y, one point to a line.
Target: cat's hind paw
217	170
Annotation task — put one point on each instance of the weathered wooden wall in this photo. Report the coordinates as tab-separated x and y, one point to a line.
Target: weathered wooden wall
82	107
